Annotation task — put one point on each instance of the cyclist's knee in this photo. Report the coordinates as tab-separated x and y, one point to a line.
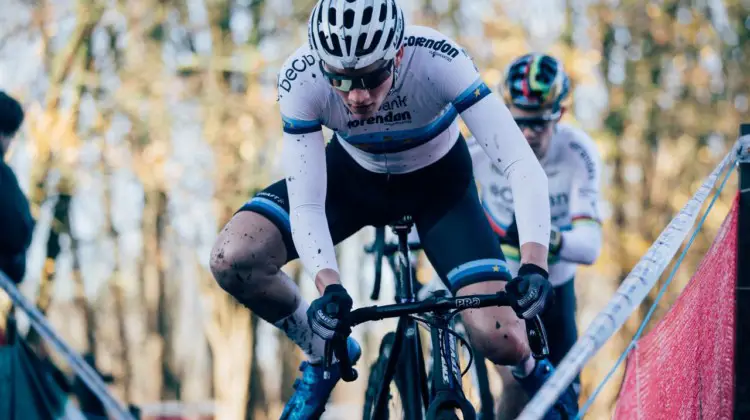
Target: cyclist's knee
248	251
496	332
503	344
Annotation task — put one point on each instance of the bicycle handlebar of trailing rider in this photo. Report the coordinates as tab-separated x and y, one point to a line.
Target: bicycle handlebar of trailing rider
382	249
377	248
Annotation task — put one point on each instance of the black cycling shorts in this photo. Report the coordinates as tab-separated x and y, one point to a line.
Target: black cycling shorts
441	198
559	321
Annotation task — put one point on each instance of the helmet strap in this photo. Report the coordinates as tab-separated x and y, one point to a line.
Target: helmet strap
394	79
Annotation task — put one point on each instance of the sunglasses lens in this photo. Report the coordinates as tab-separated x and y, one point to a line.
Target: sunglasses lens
535	124
367	81
344	85
376	78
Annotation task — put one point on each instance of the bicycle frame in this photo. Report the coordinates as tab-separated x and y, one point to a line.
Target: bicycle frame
447	396
380	248
446	391
407	337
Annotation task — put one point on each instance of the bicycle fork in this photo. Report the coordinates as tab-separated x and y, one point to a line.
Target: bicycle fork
447	391
406	356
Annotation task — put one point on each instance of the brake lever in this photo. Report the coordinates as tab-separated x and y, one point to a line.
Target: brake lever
537	338
328	360
338	347
348	373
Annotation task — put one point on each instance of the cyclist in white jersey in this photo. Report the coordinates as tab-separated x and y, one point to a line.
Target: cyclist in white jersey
391	93
536	88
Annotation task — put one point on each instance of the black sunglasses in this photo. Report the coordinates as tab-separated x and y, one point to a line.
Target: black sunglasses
535	124
367	81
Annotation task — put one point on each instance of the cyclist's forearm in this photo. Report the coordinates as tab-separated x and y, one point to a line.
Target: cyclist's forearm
510	152
305	173
312	238
325	278
534	253
582	245
478	156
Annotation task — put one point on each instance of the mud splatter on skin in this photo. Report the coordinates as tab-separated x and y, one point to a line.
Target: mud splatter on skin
244	281
237	266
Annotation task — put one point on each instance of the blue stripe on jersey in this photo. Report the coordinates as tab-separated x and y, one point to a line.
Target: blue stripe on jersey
292	126
471	95
398	141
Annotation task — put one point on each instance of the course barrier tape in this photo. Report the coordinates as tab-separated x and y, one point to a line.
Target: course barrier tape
84	371
629	295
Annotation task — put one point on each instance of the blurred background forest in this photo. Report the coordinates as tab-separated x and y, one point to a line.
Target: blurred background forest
149	122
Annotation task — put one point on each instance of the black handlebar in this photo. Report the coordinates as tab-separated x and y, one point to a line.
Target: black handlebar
338	345
432	304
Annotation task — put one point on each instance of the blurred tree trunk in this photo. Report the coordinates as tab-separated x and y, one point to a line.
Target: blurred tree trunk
155	373
257	403
159	381
229	336
70	65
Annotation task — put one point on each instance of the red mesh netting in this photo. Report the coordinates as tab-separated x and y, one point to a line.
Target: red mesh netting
684	367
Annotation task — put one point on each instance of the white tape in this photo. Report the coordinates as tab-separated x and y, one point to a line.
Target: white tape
84	371
743	149
629	295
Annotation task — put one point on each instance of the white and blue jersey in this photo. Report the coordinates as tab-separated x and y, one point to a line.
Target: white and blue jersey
416	126
573	167
417	123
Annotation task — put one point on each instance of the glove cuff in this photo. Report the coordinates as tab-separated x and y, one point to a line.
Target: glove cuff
532	269
556	241
334	288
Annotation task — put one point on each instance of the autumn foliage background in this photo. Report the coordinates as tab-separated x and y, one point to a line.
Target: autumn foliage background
149	122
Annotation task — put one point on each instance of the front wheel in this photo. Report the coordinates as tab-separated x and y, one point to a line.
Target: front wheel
395	407
446	415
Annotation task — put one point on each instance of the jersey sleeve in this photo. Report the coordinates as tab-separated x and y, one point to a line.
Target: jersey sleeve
304	162
458	82
478	157
582	244
584	206
491	123
452	71
493	126
300	93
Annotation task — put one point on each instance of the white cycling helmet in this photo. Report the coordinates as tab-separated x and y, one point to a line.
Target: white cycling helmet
352	34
